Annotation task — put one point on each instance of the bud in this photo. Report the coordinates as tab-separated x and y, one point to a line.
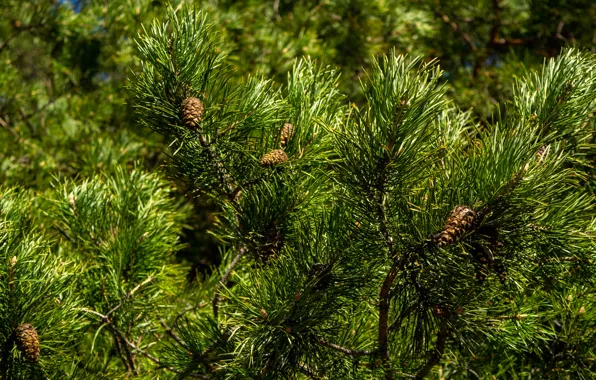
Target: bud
264	314
286	134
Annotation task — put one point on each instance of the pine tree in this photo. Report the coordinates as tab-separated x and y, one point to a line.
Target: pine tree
384	240
367	227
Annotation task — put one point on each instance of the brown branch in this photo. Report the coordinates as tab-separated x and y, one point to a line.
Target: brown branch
10	129
455	27
119	349
224	178
224	280
105	319
437	354
186	310
496	27
229	128
171	333
344	350
517	317
384	310
276	10
129	295
118	336
308	372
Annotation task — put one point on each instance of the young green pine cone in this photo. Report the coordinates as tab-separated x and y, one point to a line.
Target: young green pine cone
192	112
460	221
286	134
28	342
275	157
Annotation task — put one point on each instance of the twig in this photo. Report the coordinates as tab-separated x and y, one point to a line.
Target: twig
130	294
384	310
494	33
510	317
437	354
224	280
229	128
346	351
465	36
224	178
105	319
171	333
308	372
186	310
559	30
10	129
118	335
245	185
276	10
567	259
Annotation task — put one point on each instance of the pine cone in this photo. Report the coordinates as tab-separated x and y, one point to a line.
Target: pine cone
28	342
270	244
192	112
460	221
274	157
286	134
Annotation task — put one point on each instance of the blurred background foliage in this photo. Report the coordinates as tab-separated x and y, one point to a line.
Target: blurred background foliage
65	111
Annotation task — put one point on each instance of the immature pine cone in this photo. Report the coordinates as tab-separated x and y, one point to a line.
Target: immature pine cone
274	157
462	218
286	134
28	342
192	112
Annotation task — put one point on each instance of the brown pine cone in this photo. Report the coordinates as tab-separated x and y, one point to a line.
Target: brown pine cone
461	220
28	342
286	134
192	111
274	157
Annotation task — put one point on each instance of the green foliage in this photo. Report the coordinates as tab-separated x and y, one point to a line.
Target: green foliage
361	225
396	168
35	289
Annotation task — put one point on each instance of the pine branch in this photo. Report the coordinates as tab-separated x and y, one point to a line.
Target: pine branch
223	175
130	294
384	312
224	280
171	333
455	27
119	337
437	354
105	319
308	372
186	310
